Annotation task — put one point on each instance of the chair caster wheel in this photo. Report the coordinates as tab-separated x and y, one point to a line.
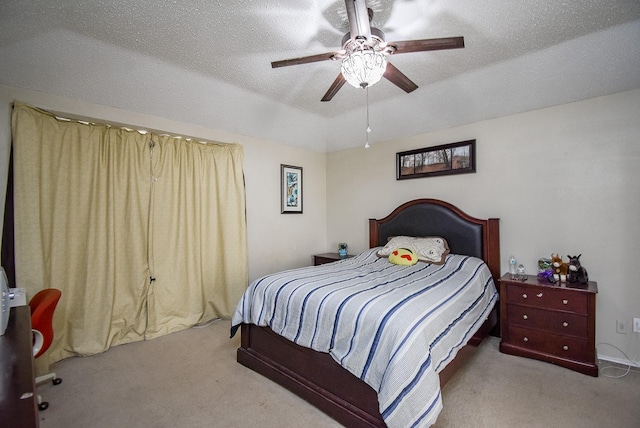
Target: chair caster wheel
43	406
56	381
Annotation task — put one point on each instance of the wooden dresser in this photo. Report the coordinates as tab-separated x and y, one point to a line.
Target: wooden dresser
549	322
18	399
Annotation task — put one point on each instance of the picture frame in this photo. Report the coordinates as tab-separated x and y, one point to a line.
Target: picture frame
445	159
291	189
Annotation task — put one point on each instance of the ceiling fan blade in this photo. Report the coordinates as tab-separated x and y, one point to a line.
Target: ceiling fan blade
396	77
303	60
334	88
428	44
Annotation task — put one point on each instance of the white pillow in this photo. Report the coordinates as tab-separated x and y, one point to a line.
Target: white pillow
431	249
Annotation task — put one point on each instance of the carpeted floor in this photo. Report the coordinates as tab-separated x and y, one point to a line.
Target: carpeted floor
191	379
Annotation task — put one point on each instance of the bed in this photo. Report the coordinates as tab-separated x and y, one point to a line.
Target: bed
318	378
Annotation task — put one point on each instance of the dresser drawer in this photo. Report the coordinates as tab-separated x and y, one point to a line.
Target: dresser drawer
555	322
566	347
548	298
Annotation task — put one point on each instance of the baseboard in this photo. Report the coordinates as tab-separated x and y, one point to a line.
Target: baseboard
619	361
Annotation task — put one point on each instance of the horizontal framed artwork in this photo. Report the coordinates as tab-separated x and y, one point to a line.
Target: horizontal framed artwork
454	158
291	189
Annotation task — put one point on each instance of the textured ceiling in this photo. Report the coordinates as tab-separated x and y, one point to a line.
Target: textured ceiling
208	62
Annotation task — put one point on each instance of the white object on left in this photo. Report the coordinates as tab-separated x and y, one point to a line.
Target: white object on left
17	297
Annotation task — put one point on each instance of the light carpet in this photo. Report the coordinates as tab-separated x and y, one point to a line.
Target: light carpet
192	379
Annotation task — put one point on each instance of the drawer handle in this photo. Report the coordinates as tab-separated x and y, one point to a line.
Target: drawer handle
524	296
526	339
565	301
565	347
565	324
525	317
539	295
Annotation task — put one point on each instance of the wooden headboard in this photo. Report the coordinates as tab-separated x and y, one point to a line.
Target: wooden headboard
465	234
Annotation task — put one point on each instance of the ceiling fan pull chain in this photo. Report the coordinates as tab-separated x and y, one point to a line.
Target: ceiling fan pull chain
366	146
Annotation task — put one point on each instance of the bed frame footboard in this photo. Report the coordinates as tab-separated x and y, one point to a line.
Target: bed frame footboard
312	375
318	379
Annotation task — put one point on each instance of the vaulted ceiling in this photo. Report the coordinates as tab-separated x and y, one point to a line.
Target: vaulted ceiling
209	62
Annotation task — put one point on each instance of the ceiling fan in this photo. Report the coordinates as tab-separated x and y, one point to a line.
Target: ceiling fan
364	51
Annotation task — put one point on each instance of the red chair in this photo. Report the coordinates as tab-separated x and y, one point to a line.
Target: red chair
42	305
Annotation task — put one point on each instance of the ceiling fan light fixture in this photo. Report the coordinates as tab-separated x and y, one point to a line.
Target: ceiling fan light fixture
362	68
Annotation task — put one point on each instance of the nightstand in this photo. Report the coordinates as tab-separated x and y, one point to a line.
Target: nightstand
549	322
320	259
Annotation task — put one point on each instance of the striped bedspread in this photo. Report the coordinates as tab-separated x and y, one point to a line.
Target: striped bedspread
395	327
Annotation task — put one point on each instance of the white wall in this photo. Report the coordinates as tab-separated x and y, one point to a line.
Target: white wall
564	179
276	241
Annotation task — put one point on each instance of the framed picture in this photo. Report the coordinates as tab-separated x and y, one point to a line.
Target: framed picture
454	158
291	189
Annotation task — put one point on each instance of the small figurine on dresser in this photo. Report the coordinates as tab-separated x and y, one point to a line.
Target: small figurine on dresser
343	249
560	268
577	273
545	270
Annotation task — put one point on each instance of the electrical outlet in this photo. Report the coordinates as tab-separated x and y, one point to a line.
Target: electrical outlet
621	326
636	325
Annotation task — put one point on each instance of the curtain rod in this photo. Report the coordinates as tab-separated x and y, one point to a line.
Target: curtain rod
70	117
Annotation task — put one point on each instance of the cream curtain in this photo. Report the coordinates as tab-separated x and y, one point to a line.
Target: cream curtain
199	244
137	230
